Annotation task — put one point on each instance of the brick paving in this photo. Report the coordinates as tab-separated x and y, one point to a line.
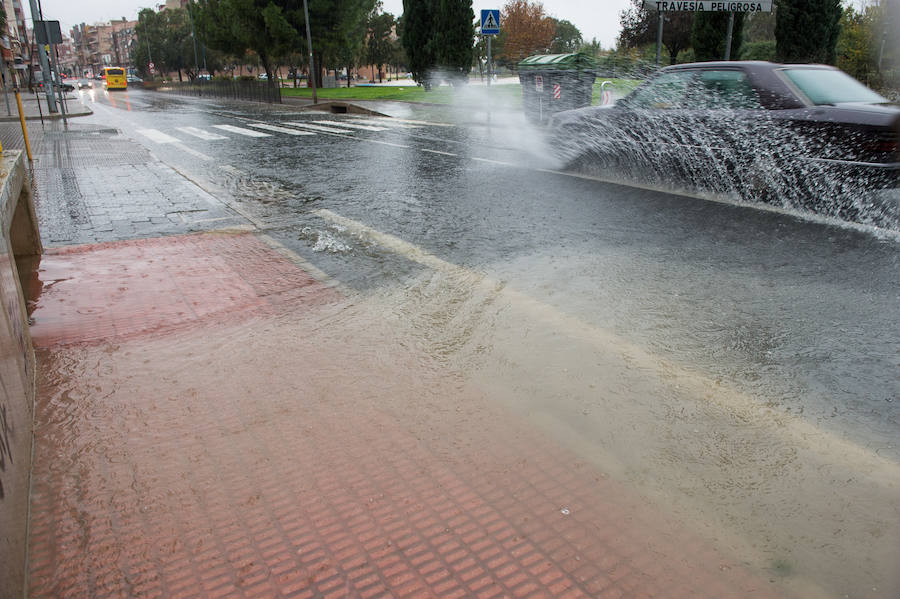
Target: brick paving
164	470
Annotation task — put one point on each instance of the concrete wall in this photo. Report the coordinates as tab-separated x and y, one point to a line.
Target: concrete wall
18	237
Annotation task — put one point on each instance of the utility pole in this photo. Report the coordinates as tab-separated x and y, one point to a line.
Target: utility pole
659	37
728	35
194	39
311	80
45	65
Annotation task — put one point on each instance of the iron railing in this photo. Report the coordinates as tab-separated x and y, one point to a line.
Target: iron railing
238	89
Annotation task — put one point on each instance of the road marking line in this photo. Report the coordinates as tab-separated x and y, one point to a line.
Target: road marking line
278	129
192	151
241	131
386	143
384	122
701	386
319	128
157	136
411	121
494	161
356	126
201	133
439	152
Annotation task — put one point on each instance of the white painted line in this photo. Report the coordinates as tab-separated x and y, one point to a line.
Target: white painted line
411	121
241	131
356	126
157	136
304	125
201	133
493	161
192	151
278	129
439	152
385	122
385	143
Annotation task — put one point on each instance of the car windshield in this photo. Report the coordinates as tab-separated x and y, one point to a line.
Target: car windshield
830	86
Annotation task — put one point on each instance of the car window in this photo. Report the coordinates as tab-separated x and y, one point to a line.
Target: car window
830	86
668	90
726	89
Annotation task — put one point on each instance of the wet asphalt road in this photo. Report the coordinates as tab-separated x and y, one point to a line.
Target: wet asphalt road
795	316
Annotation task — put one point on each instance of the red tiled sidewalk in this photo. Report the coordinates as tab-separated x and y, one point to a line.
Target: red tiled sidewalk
303	452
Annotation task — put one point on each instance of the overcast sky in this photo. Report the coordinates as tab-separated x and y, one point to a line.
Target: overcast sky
597	18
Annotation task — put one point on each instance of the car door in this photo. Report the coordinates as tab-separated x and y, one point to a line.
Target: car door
653	133
730	130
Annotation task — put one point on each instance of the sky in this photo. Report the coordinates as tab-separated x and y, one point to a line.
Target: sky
595	19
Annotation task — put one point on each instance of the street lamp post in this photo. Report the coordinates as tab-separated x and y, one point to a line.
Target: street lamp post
311	80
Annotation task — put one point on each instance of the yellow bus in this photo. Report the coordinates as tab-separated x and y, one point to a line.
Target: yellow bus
114	78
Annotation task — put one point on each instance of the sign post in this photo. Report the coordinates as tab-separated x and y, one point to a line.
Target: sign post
697	6
40	25
490	26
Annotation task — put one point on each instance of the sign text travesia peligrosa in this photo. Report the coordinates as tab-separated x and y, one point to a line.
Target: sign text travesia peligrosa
708	6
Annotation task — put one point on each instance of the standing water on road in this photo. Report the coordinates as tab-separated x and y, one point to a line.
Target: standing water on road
641	386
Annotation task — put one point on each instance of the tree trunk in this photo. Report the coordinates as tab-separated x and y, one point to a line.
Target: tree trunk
317	58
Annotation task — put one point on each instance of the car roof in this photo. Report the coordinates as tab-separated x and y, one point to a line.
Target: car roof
751	65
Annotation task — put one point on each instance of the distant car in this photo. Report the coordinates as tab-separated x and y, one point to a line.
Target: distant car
133	79
85	84
764	131
65	87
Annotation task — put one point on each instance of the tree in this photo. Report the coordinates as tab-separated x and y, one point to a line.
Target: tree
527	30
338	29
759	27
640	26
807	30
418	24
236	26
453	38
438	34
379	45
566	37
709	32
862	48
166	37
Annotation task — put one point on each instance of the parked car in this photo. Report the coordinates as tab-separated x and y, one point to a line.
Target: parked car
64	86
789	134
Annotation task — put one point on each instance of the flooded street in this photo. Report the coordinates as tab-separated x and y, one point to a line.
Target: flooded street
419	341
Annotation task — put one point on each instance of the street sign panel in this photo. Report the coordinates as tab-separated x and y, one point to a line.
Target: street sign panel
40	32
490	21
557	91
707	6
538	83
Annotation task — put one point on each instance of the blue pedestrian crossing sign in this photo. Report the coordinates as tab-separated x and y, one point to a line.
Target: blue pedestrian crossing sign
490	21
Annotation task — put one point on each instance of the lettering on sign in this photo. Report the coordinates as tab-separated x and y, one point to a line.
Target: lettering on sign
707	6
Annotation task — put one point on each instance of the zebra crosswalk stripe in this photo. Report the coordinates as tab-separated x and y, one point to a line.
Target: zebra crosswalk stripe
320	128
278	129
207	135
355	126
158	136
241	131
